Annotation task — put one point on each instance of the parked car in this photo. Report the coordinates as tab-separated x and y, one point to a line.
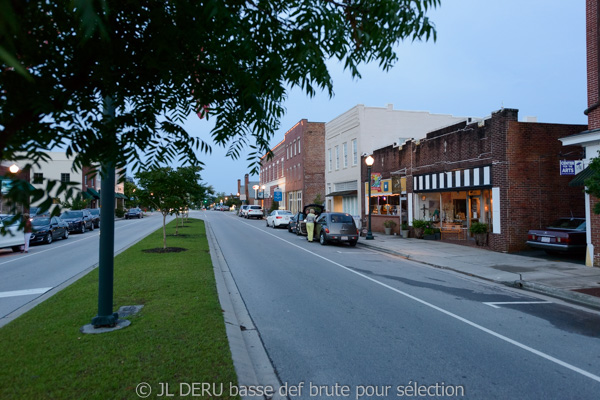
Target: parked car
254	212
134	213
78	220
279	218
224	207
293	225
13	238
301	228
242	211
336	227
46	229
566	235
95	216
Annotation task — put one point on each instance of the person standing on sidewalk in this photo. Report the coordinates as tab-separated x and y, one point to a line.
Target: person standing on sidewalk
310	224
28	229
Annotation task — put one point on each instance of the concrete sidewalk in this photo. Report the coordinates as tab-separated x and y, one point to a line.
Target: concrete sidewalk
551	277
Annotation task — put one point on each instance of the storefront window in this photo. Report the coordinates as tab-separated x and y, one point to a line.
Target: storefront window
385	205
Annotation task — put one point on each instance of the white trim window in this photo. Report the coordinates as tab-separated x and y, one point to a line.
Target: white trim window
330	164
337	157
298	145
345	154
354	152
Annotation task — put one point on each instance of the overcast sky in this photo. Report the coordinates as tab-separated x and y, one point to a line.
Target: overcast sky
489	54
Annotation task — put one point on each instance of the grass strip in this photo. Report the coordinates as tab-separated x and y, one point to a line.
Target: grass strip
178	338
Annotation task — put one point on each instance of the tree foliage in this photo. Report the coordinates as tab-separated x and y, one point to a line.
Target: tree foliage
168	190
592	184
160	61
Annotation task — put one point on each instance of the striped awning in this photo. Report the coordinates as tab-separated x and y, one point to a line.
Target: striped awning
580	178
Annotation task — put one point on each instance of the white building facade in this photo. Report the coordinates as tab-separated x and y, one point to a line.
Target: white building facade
359	131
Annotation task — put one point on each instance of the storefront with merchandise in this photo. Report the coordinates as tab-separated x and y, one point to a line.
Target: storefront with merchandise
454	200
388	200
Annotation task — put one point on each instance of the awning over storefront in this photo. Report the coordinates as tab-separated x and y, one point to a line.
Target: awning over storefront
93	193
580	178
87	196
343	193
120	196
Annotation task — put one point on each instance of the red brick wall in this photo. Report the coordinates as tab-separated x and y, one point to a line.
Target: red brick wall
592	62
525	166
313	162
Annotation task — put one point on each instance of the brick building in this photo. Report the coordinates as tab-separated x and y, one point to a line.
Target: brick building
590	139
297	167
498	171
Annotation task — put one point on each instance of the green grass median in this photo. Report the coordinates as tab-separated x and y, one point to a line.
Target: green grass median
178	339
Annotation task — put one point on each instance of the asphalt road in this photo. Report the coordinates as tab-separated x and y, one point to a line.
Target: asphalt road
26	277
341	322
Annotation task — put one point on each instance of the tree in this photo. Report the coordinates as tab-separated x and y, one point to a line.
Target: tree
158	62
167	190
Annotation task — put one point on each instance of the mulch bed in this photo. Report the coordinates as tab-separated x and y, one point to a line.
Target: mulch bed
589	291
163	250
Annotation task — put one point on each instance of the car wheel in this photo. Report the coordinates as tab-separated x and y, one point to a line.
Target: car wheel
274	226
91	227
139	216
48	238
289	228
82	229
353	243
297	231
267	223
66	234
322	239
16	249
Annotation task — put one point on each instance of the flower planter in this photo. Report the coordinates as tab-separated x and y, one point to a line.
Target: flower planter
481	239
404	233
388	231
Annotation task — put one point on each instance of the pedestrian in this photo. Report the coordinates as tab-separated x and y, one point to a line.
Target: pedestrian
310	224
28	229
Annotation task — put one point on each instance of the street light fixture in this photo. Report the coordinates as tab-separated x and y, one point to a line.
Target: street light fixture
13	169
369	161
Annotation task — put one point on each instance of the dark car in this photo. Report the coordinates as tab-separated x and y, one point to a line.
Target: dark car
336	227
47	229
293	225
566	235
134	213
78	220
95	216
301	225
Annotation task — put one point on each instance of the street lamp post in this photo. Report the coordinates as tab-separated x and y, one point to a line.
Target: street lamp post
369	161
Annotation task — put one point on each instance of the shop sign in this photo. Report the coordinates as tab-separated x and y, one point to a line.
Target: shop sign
376	182
571	167
398	184
277	195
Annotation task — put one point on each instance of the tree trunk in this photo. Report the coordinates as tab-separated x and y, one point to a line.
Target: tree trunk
164	231
176	224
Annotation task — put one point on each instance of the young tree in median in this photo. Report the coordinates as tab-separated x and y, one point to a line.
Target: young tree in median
167	190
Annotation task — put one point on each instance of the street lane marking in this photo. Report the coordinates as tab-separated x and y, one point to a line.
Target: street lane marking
448	313
26	292
496	303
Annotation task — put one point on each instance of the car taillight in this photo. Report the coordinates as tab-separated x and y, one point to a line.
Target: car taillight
563	240
278	217
326	230
531	237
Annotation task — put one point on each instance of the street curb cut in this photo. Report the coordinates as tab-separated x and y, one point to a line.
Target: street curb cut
566	295
251	362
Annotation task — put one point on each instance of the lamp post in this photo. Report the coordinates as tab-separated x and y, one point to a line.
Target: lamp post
369	161
263	187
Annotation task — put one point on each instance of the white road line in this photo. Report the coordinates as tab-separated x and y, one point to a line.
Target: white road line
496	303
448	313
26	292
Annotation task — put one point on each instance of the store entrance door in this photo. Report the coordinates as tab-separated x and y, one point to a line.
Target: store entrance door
474	207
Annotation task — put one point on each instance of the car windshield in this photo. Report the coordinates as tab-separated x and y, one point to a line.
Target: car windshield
72	214
40	221
95	211
568	223
341	219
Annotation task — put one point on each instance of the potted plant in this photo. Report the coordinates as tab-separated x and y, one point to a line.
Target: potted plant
404	230
419	225
480	232
388	225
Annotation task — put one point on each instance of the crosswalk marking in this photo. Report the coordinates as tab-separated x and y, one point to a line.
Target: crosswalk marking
26	292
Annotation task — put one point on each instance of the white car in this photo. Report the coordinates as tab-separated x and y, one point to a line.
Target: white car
242	211
14	238
279	218
254	212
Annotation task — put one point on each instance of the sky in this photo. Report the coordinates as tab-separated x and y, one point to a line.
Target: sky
489	54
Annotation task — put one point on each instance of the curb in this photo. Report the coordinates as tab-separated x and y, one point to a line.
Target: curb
563	294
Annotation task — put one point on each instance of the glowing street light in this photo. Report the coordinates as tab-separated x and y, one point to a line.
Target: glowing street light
369	161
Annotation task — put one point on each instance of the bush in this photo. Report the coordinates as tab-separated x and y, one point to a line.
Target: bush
404	226
388	223
119	212
428	231
478	227
420	223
